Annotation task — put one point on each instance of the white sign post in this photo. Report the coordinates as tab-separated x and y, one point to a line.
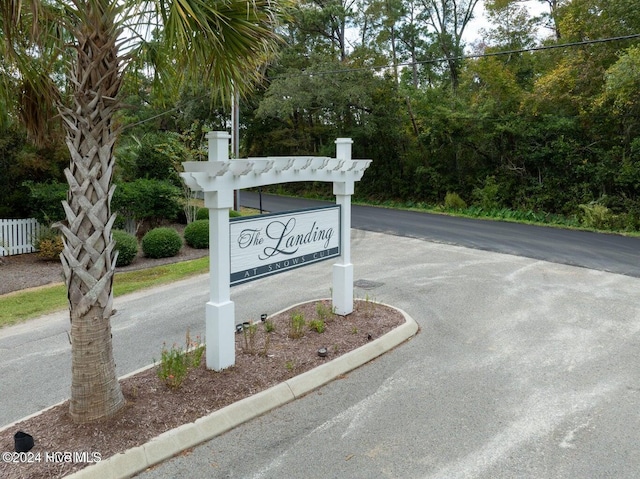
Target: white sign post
218	178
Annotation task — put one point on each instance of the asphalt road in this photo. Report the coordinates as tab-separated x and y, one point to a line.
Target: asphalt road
523	368
604	252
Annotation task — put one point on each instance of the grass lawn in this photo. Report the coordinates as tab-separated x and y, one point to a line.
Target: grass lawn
22	305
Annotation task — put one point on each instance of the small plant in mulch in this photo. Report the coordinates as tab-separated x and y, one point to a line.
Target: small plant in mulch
175	362
324	312
296	325
267	343
269	326
250	332
369	307
317	325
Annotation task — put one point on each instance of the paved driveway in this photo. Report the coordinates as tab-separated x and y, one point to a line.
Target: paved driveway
522	369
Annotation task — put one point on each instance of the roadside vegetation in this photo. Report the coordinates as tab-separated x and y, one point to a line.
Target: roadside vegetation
590	217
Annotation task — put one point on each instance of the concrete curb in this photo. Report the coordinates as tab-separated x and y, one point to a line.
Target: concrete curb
170	443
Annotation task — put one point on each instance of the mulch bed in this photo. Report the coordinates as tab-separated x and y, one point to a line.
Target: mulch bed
153	407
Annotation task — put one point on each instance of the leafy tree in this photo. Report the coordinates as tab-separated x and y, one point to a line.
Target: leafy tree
512	28
45	201
146	200
549	20
160	157
12	201
552	17
22	162
620	101
323	24
449	19
98	41
622	90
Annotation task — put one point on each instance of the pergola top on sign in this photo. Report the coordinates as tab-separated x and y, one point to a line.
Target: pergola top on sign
221	173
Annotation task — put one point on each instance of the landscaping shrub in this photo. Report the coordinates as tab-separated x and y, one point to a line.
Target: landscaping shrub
48	243
202	214
196	234
452	201
127	245
161	243
147	200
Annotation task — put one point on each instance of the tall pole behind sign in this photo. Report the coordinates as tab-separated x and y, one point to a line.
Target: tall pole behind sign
235	139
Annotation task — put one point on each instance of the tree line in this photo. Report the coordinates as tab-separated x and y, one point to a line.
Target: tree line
533	116
500	120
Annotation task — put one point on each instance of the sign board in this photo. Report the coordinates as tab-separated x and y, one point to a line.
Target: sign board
268	244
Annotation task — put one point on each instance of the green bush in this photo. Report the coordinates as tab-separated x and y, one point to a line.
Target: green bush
127	245
159	156
161	243
597	216
147	200
487	196
202	214
45	200
49	244
452	201
196	234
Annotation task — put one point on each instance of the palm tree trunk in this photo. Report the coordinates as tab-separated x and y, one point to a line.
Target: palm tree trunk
95	391
88	258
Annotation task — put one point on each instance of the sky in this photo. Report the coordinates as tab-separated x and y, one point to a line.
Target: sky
536	7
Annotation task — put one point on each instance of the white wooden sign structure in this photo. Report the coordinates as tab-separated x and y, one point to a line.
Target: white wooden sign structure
218	178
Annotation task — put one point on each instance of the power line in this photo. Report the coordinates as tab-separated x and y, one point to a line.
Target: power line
464	57
166	112
553	47
422	62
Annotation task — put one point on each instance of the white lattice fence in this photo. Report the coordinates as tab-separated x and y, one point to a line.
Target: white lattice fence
16	236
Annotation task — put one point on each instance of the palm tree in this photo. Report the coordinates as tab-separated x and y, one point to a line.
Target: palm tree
221	42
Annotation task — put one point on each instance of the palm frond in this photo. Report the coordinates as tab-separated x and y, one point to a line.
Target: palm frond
222	42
